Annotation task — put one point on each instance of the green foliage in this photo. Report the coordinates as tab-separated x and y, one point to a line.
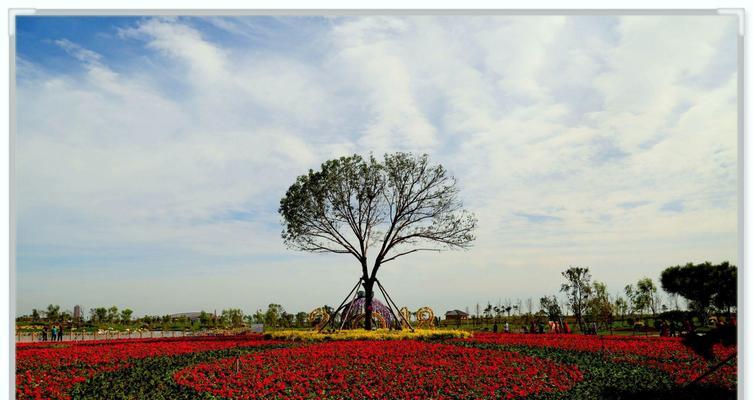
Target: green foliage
205	318
112	314
273	315
551	307
621	307
125	315
396	207
599	307
53	312
301	319
577	287
232	317
643	296
259	316
287	320
353	203
99	314
705	285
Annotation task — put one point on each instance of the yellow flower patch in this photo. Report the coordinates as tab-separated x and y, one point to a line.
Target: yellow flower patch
362	334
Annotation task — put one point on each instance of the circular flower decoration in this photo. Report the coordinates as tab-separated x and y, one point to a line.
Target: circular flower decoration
371	369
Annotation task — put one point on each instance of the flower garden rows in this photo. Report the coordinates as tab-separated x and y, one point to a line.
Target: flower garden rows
485	366
394	370
666	354
50	370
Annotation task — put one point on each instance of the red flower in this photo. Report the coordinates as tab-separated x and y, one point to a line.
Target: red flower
45	370
375	369
664	353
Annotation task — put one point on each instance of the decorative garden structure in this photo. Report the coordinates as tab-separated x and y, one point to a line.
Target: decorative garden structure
359	308
353	312
387	316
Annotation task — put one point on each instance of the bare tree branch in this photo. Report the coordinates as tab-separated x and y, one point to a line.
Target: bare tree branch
407	252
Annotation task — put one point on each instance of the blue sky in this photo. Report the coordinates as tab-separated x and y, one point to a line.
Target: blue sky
151	153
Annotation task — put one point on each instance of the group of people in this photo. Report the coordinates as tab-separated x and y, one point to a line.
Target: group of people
55	333
674	328
559	327
506	328
671	329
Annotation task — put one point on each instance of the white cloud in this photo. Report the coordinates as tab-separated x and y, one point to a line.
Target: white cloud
206	61
551	124
85	55
371	58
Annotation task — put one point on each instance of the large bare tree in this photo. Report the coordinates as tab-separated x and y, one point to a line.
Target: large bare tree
376	211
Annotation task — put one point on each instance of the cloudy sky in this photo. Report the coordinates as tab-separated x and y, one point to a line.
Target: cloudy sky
151	153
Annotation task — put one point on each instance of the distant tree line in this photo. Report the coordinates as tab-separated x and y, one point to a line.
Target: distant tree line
275	316
706	289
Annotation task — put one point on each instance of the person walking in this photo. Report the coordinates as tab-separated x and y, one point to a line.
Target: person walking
44	333
60	333
507	327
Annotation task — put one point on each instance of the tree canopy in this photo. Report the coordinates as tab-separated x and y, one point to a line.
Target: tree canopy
577	287
643	296
376	210
703	284
551	307
396	207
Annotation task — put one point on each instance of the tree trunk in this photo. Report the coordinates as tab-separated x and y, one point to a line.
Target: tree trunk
368	285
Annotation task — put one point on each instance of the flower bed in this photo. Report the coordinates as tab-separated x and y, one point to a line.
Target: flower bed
49	370
361	334
379	369
666	354
485	366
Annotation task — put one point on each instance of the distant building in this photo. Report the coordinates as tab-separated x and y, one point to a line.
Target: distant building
77	312
455	315
192	316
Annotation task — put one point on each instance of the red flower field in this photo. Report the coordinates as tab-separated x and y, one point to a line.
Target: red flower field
486	366
47	370
394	369
668	354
